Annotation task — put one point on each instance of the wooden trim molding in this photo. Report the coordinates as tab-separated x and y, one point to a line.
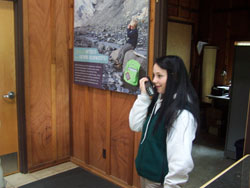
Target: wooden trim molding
100	173
18	14
161	19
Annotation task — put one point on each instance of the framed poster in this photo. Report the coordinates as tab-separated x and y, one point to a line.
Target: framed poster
111	43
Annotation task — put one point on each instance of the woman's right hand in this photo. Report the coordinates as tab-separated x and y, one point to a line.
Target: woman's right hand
142	85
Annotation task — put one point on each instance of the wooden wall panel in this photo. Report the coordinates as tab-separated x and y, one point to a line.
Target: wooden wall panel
229	23
219	26
62	78
183	10
219	38
40	45
173	2
79	103
184	3
240	29
122	138
136	178
220	5
46	82
194	4
173	10
97	130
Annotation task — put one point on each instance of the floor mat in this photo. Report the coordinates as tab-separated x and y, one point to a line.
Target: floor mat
75	178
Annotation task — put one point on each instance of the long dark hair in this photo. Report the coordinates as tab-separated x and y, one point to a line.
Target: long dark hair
179	93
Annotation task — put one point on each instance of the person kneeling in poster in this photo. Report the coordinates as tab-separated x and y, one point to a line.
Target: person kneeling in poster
132	34
168	123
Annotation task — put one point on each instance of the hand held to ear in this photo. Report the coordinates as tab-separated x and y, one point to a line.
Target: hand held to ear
142	85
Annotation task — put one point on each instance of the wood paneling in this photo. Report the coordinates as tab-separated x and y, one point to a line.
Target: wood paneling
219	38
98	118
183	10
98	128
40	128
194	4
136	179
46	80
185	3
240	29
228	22
80	106
122	138
62	77
100	123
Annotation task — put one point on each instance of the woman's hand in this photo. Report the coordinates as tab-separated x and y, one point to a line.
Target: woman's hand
142	85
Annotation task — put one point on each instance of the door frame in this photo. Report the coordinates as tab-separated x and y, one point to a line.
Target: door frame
160	28
18	9
20	97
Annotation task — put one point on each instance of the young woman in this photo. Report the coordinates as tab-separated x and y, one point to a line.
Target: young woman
168	123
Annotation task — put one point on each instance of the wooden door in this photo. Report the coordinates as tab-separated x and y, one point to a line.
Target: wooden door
8	111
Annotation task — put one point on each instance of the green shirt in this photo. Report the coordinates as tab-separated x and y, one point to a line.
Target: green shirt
151	161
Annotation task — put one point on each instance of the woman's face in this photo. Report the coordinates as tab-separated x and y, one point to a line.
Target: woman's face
160	77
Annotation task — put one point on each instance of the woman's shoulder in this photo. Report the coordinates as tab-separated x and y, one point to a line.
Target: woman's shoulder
186	114
184	123
185	118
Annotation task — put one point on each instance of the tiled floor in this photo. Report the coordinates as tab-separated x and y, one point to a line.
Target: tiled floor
19	179
9	163
208	162
204	157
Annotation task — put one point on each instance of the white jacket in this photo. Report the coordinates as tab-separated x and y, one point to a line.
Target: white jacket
178	142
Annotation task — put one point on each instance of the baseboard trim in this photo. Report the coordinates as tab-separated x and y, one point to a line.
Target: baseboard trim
100	173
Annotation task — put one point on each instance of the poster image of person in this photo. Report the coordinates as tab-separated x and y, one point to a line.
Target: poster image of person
132	34
111	43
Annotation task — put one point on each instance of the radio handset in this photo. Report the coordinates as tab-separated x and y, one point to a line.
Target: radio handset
149	87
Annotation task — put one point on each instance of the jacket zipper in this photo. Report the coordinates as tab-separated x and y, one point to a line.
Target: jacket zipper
152	113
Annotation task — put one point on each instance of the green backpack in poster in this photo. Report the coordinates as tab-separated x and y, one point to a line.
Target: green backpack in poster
131	72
